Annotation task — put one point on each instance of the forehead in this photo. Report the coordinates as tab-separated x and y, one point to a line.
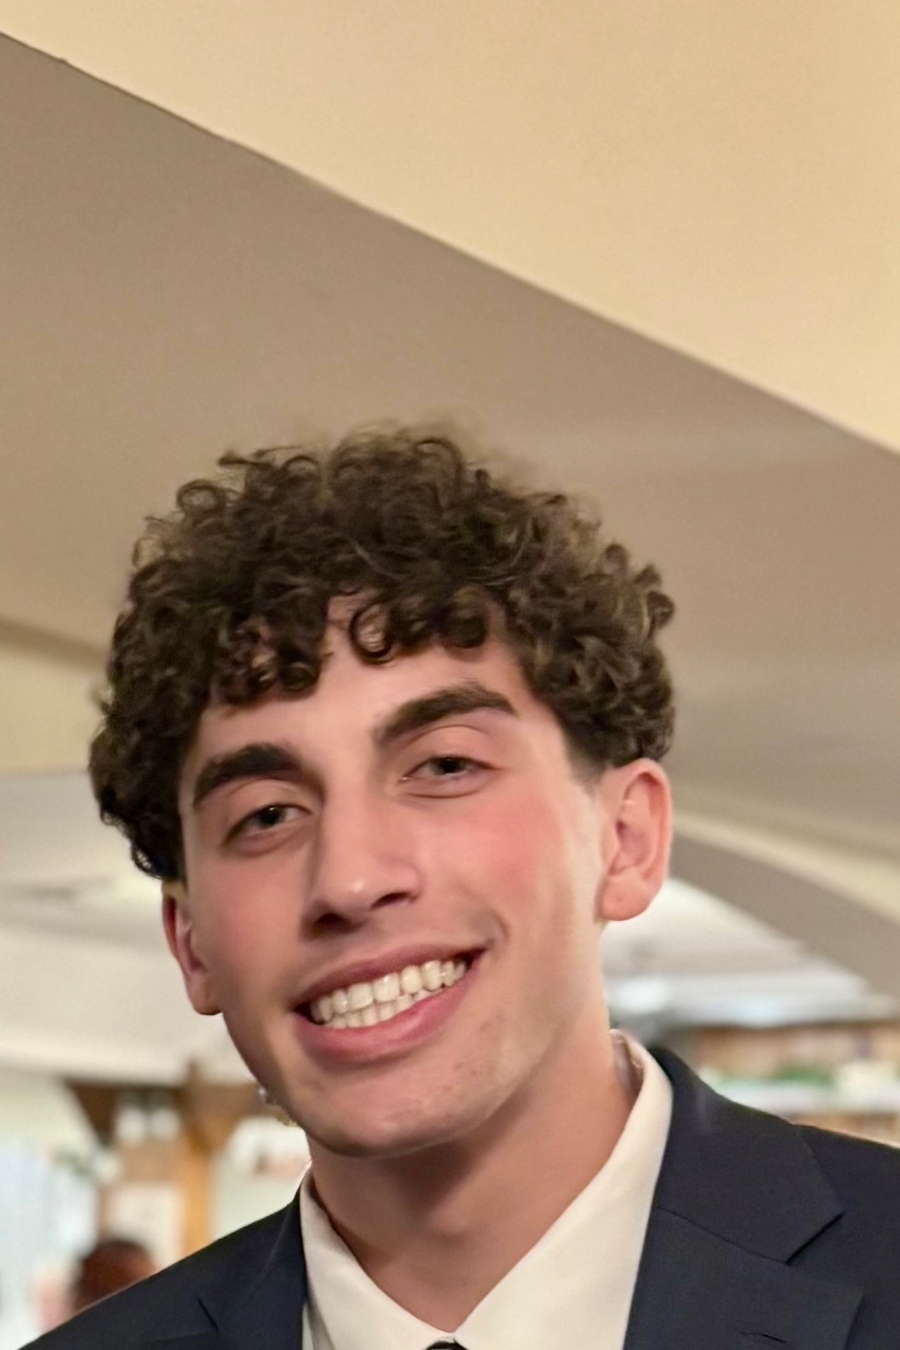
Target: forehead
353	697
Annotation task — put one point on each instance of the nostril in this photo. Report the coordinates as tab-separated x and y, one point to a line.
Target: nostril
391	898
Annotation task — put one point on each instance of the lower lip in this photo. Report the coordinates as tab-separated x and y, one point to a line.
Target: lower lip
354	1045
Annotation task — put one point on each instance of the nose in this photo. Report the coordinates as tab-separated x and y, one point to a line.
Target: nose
361	860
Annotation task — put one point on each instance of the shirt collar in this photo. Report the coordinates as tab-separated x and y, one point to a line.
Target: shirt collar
574	1287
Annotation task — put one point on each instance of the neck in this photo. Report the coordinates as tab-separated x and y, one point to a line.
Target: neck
437	1230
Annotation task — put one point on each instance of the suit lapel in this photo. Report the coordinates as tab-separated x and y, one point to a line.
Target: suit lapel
697	1290
206	1340
739	1194
257	1303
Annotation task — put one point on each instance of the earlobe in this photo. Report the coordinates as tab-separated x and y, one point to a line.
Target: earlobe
178	926
638	836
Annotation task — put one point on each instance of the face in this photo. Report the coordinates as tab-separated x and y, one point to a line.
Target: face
404	826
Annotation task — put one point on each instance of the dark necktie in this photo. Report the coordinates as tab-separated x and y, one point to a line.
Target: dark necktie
445	1345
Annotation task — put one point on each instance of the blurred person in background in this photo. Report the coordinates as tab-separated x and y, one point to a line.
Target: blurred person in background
388	729
114	1263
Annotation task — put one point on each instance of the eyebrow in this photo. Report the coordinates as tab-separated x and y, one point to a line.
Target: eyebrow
267	759
260	759
434	707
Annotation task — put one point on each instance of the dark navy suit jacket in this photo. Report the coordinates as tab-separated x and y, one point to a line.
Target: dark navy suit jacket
762	1234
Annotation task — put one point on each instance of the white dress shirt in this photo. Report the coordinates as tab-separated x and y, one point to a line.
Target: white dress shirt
573	1289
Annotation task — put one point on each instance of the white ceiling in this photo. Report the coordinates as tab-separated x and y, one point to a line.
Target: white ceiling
724	178
167	295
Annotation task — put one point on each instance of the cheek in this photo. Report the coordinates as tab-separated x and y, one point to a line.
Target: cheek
241	930
520	855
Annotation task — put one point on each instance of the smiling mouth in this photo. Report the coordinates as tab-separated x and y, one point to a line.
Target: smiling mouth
371	1002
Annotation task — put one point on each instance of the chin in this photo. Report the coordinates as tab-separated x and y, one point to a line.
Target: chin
390	1136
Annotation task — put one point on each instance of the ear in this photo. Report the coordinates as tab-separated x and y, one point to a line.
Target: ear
181	936
637	812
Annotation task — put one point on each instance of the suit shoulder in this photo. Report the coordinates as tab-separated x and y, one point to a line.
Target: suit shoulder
170	1297
848	1154
857	1168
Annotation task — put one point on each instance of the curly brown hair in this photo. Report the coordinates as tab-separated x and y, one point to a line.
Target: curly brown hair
229	596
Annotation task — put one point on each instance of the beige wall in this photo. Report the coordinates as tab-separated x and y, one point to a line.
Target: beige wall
47	710
723	177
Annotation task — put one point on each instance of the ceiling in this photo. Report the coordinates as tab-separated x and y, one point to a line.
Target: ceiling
168	295
724	178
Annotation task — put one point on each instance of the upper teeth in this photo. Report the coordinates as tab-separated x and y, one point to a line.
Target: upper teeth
364	1004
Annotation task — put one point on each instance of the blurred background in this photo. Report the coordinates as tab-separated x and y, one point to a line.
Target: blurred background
653	254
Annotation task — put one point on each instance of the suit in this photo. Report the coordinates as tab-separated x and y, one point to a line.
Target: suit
761	1234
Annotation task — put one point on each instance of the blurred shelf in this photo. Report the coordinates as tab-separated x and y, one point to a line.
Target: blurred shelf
790	1099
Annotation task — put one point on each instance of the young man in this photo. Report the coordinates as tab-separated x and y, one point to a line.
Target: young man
388	730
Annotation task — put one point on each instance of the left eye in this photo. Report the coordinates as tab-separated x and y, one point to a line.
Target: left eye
266	818
446	766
